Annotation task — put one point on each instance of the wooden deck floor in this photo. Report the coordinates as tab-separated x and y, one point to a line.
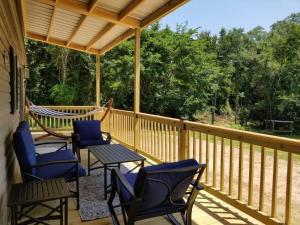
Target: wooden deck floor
208	210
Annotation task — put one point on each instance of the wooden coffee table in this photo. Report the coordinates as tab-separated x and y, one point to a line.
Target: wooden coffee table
111	156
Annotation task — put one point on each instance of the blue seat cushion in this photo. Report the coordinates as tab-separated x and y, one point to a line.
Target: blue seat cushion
88	129
158	179
24	147
66	170
131	178
85	143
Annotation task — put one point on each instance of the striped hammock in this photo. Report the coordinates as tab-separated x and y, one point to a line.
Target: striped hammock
42	111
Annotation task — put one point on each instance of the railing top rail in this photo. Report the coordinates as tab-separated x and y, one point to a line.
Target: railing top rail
160	119
269	141
125	112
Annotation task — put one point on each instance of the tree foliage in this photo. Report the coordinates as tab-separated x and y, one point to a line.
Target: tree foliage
255	73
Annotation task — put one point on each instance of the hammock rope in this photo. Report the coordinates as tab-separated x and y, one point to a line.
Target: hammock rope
35	111
42	111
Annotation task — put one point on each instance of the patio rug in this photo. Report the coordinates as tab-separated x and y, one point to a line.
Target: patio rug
92	203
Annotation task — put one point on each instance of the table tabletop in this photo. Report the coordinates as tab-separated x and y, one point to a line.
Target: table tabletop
114	153
38	191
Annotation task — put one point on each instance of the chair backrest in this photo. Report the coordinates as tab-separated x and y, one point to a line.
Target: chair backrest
165	183
88	129
24	148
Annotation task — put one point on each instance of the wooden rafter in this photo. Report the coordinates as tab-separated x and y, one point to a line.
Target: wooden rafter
129	8
60	43
162	11
51	22
106	29
24	17
128	34
92	5
97	12
123	14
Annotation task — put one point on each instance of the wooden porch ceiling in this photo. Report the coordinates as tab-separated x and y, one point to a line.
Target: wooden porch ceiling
91	26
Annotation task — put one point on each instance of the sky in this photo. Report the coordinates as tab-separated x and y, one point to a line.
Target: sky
212	15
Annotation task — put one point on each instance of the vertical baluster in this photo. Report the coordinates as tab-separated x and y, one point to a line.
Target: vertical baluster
144	144
231	168
274	185
162	142
126	129
200	147
222	166
166	143
148	136
174	144
251	173
262	180
240	180
215	161
170	144
289	189
194	145
155	140
151	138
159	142
207	160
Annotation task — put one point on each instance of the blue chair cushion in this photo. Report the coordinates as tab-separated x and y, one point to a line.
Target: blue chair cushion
85	143
88	129
156	178
131	178
24	147
66	170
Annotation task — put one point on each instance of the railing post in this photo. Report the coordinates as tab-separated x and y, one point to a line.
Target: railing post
183	141
136	131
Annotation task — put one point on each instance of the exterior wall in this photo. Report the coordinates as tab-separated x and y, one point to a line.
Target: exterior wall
11	34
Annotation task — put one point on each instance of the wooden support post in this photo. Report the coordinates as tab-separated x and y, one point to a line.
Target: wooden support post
137	73
97	80
183	141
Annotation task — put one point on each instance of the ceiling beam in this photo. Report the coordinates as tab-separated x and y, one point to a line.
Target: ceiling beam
60	43
51	22
129	8
97	12
106	29
123	14
24	16
92	5
128	34
162	11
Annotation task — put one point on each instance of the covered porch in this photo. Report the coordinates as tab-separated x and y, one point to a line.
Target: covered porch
250	177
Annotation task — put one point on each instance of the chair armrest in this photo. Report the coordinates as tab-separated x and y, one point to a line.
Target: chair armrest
65	144
116	174
54	162
108	136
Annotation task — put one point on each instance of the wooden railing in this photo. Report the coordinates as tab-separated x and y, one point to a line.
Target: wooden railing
255	173
251	171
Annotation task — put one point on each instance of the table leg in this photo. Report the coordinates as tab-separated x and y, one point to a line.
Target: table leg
105	182
142	164
66	211
13	216
89	162
61	211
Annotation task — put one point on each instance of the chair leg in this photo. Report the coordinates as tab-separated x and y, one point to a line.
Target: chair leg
111	208
78	155
77	193
172	219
